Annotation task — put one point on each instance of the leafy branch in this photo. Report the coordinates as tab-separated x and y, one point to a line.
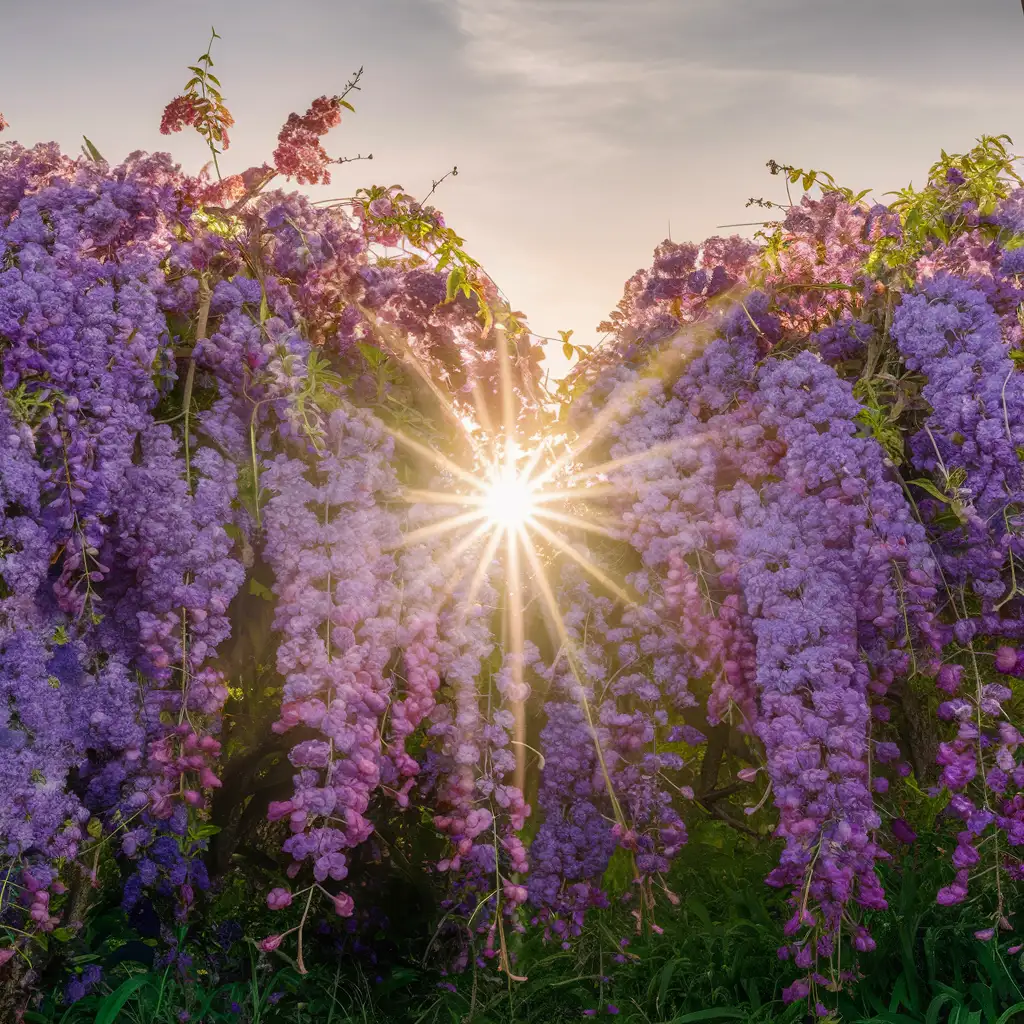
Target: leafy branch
202	106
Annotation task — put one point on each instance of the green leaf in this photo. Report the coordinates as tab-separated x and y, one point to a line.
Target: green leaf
930	488
697	907
114	1003
373	355
899	994
666	980
485	309
935	1007
204	1006
456	280
1008	1015
567	350
92	151
753	993
619	874
258	590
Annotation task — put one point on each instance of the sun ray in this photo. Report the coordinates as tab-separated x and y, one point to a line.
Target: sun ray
478	577
515	609
480	405
445	498
691	442
619	403
507	397
394	341
584	563
440	527
555	623
567	519
567	494
562	634
440	461
666	360
531	463
454	555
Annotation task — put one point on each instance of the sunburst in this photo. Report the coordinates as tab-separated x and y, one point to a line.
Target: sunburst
507	511
510	506
512	500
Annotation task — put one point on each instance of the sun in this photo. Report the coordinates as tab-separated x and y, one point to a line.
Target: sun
510	500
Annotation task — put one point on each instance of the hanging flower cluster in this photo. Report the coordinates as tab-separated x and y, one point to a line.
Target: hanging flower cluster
184	393
820	475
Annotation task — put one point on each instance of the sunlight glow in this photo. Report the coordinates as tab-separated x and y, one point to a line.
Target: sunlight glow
521	502
521	494
510	500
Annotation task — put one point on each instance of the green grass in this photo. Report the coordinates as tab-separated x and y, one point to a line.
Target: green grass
715	961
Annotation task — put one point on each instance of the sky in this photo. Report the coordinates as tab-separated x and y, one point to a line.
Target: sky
584	131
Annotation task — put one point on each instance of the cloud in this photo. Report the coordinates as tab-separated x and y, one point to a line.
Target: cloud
545	44
603	55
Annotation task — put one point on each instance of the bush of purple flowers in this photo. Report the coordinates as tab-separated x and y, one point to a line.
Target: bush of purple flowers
228	621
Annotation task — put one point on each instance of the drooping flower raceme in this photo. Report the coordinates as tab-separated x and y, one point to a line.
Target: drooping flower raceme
327	535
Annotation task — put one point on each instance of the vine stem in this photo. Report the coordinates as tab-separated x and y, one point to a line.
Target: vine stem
205	295
202	82
305	913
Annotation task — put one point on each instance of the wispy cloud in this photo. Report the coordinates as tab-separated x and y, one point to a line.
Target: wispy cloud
548	44
612	55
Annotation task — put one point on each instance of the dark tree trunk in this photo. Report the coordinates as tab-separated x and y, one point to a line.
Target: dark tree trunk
919	734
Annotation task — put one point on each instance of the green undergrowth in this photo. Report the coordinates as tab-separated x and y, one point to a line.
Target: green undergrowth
715	960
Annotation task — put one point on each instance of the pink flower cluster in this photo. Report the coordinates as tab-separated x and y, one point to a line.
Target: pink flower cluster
300	154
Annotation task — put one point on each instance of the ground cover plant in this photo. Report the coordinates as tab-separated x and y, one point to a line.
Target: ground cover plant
351	669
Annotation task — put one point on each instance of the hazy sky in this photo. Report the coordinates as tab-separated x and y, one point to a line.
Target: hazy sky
580	128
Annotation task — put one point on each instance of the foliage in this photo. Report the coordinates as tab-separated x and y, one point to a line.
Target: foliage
714	961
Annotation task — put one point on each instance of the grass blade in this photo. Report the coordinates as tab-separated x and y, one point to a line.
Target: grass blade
114	1003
